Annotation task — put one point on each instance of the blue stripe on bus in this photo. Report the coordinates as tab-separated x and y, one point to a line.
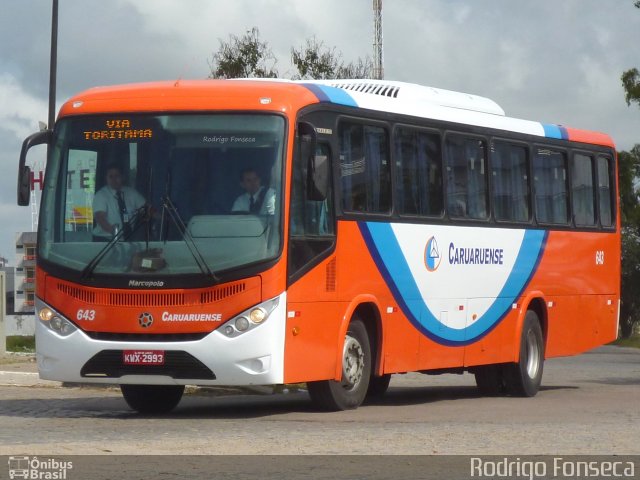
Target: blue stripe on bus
555	131
387	254
331	94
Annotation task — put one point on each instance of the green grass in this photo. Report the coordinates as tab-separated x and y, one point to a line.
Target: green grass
633	341
19	343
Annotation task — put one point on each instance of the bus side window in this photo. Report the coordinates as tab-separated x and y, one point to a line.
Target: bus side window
550	185
582	191
364	168
510	188
466	177
419	167
604	191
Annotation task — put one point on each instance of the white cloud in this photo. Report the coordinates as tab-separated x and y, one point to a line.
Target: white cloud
13	219
19	110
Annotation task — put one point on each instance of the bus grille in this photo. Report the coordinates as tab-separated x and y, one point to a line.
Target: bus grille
147	337
133	299
154	299
177	364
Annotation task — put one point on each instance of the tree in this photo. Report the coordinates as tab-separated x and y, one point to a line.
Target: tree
316	61
631	80
249	57
244	57
631	83
628	172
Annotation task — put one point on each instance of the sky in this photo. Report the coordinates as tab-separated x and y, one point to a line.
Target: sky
544	60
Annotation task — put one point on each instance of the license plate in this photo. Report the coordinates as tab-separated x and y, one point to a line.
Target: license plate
143	357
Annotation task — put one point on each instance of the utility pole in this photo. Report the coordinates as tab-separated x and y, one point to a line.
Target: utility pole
378	57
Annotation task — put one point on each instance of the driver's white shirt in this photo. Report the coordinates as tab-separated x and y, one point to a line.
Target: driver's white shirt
105	200
268	206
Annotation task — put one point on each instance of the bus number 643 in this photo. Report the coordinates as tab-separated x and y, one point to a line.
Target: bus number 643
86	315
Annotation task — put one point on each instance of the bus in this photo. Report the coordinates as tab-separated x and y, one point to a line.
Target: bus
408	229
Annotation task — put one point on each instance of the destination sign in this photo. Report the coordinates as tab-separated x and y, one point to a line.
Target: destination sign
118	129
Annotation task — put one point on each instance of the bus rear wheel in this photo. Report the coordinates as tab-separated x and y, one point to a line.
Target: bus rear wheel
348	393
525	376
153	399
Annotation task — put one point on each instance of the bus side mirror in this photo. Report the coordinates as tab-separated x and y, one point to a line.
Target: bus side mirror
24	172
317	165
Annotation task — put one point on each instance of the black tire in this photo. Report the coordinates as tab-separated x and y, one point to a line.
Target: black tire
152	399
524	378
378	385
356	372
490	380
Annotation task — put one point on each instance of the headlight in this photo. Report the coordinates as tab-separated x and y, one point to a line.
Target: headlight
249	319
45	314
56	322
258	315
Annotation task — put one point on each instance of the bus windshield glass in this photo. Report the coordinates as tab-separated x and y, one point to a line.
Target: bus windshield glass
163	194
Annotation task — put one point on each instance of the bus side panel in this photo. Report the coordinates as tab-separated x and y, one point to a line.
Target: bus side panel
579	275
596	321
317	315
358	274
435	356
313	325
402	344
310	341
496	347
561	325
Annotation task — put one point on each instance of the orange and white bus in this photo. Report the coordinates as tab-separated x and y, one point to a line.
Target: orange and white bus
401	228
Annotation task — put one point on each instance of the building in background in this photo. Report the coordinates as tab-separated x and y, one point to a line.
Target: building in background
25	273
9	286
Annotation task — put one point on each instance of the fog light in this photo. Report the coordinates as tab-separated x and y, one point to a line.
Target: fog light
67	327
56	323
228	330
258	315
242	324
45	314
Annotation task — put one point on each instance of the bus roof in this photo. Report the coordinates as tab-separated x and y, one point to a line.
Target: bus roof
287	96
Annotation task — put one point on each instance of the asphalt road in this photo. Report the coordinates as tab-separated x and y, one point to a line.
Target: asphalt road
589	404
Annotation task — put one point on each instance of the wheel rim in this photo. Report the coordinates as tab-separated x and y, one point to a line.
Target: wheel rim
352	363
533	354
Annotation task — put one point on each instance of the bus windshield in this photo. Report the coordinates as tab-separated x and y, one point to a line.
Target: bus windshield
163	194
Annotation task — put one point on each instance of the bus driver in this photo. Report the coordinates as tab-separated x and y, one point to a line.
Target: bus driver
113	205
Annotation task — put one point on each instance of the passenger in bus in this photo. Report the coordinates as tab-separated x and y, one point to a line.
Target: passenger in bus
114	205
257	199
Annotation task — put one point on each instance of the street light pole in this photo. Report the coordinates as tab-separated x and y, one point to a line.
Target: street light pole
53	63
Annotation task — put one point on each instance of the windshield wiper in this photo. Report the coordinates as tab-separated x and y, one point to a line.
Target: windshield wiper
133	225
174	215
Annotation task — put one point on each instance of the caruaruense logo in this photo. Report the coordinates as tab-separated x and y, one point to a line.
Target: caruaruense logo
432	256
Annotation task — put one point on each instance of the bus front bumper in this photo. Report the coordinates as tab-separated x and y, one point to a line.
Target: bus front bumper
255	357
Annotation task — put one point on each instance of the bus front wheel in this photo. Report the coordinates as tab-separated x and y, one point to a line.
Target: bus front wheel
153	399
348	393
525	376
